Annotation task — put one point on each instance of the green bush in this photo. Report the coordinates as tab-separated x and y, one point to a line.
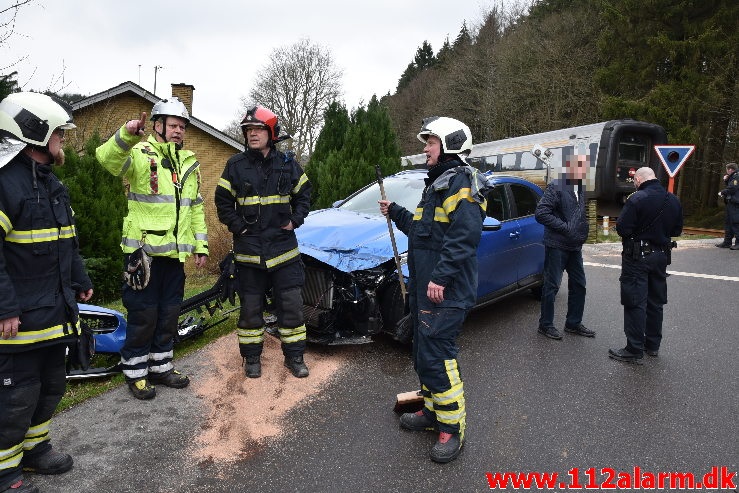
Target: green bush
99	204
106	277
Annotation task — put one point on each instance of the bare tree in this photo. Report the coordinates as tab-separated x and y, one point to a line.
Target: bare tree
8	17
298	84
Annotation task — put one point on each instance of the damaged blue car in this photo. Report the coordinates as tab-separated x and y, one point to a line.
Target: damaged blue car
352	288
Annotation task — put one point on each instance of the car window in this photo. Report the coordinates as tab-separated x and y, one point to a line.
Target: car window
403	191
525	200
497	203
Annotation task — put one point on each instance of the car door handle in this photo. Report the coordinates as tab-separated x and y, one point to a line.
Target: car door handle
514	234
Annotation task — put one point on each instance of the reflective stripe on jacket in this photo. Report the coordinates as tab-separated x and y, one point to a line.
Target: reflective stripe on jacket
255	197
41	270
165	208
444	233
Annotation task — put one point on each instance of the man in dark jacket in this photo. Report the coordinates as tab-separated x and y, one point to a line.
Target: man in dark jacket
263	196
649	218
443	234
41	273
730	194
562	211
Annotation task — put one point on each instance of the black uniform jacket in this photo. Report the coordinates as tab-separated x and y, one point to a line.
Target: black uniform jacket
41	270
651	214
731	192
255	197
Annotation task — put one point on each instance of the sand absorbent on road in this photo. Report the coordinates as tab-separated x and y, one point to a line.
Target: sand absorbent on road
242	413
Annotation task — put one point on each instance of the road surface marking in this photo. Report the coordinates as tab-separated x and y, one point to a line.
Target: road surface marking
671	272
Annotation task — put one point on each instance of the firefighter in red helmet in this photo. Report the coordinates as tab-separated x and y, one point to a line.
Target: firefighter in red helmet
262	196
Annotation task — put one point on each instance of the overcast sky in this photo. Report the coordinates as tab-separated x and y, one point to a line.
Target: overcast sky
87	46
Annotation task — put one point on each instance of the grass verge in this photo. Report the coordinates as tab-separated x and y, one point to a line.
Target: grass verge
81	390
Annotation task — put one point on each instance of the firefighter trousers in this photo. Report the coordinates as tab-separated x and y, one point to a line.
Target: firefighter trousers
435	331
31	385
287	298
152	315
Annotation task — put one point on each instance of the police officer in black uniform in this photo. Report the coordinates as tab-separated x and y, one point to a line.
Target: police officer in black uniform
650	217
730	194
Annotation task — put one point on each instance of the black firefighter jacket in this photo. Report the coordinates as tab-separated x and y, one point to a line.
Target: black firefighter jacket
443	235
41	270
255	197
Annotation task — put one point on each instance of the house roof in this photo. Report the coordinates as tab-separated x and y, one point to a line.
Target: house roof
140	91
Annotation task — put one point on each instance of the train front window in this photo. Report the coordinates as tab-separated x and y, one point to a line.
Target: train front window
633	152
633	148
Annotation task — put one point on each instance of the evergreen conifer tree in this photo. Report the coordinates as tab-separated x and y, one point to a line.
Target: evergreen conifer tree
368	140
331	138
99	203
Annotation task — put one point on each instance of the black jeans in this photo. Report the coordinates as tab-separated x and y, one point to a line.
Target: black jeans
643	293
556	261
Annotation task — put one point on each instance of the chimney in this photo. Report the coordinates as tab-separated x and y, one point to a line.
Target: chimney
184	93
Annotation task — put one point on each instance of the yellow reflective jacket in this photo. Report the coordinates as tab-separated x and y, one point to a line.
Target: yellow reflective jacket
165	209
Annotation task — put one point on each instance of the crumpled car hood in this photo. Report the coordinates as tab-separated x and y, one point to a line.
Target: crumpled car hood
348	240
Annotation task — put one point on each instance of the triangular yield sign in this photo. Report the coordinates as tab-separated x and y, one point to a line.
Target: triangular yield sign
673	156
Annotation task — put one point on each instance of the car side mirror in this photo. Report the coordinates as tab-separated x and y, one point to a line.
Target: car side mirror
337	203
491	224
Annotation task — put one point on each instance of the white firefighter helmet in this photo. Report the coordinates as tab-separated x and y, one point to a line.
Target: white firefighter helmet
29	118
455	136
170	107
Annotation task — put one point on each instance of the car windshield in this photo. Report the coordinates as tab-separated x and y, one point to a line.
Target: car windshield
403	190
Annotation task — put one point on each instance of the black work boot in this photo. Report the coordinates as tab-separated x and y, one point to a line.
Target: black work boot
142	389
417	421
447	447
296	366
625	355
253	366
51	462
20	486
171	378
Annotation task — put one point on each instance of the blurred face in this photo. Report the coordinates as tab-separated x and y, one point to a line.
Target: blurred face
257	138
56	144
577	167
173	128
432	149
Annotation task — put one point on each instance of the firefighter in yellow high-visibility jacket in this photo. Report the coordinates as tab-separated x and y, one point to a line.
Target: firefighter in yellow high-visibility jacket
165	225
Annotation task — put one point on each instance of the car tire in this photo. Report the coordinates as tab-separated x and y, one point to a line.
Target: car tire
393	310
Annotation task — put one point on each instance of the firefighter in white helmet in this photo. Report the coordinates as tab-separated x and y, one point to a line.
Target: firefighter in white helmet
41	278
443	235
165	225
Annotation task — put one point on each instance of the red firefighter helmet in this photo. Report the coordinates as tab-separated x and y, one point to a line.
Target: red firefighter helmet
259	116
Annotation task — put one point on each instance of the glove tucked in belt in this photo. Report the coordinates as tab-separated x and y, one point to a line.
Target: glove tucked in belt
228	276
138	269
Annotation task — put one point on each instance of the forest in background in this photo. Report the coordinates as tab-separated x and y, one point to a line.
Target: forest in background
574	62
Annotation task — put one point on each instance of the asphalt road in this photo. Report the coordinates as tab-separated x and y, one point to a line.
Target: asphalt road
534	405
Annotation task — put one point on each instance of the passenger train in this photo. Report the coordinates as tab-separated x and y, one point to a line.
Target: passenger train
614	150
